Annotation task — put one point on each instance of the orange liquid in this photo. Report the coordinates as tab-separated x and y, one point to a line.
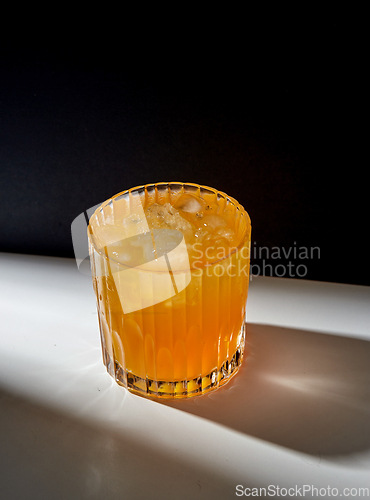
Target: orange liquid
193	341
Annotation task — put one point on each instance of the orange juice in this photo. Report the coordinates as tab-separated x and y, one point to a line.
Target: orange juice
170	264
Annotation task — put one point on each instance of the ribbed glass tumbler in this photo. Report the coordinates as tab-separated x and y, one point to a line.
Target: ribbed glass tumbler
170	267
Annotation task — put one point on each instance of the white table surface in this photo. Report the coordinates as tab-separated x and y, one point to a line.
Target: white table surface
296	415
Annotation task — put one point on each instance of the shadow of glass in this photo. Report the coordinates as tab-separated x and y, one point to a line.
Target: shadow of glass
49	454
303	390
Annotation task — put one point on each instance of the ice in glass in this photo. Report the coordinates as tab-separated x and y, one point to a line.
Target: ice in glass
170	265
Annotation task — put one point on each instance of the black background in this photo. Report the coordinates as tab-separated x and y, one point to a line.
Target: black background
267	111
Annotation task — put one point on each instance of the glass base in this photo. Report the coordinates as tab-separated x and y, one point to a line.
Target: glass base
179	389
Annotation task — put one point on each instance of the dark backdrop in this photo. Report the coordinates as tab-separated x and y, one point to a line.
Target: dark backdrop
272	120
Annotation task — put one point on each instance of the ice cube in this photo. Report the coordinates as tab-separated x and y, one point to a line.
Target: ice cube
166	216
149	253
226	232
135	224
108	235
166	240
200	234
190	203
213	221
145	242
159	216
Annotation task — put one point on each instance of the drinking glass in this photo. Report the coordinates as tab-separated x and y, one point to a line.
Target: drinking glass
172	320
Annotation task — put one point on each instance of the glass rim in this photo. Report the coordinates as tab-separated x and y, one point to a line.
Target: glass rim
228	198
